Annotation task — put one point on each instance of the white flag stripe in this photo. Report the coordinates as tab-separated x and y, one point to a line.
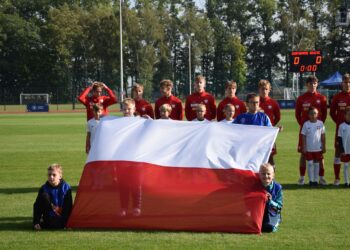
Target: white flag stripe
182	144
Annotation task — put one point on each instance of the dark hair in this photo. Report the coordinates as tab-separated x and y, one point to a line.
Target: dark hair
312	108
311	79
250	96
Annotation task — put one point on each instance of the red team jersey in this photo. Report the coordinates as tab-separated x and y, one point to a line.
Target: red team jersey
337	110
239	106
176	105
200	98
271	109
144	108
89	101
305	101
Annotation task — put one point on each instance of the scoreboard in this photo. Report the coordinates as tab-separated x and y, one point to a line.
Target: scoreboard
305	61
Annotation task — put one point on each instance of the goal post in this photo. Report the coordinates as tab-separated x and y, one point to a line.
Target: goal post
37	98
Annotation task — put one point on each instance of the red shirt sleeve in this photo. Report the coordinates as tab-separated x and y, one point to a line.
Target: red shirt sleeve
333	109
324	108
111	99
298	109
220	113
212	108
277	112
83	98
188	109
180	110
156	109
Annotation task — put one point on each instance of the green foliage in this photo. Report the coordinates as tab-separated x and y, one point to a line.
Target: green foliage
58	46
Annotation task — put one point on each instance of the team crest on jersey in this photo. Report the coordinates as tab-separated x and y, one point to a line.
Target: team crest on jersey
173	106
143	108
318	101
237	106
206	101
270	107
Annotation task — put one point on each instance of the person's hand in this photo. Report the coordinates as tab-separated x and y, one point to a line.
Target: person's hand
37	227
268	196
104	86
280	127
147	117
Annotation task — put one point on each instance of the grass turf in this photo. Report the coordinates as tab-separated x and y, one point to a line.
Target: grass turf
312	218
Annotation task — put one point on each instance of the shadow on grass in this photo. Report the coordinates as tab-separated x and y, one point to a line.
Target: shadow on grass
290	186
24	190
16	223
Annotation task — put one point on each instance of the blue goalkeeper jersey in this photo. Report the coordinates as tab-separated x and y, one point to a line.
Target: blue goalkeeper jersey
258	119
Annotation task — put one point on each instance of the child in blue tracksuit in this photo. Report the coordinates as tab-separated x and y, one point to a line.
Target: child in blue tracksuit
274	194
53	204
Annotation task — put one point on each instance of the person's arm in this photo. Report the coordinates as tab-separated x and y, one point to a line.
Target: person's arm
83	96
278	202
324	109
298	111
213	109
188	109
111	99
149	111
333	109
37	211
243	108
180	110
67	206
220	114
277	112
303	138
267	121
156	109
323	141
340	144
87	144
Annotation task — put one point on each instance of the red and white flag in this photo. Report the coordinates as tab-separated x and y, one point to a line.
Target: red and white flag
173	175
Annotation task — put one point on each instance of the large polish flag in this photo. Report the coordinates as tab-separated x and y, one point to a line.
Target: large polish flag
173	175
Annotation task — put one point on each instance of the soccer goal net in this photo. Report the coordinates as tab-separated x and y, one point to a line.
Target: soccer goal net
34	98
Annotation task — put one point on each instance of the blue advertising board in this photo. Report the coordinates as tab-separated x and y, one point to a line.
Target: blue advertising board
33	107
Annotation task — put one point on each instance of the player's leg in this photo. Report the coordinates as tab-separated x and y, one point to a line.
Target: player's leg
302	162
337	162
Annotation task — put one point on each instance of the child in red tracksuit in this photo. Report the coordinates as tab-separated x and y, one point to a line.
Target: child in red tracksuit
200	97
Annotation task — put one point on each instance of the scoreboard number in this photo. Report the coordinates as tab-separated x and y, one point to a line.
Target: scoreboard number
305	61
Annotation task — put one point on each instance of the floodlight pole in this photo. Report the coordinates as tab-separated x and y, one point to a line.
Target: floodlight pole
121	54
189	63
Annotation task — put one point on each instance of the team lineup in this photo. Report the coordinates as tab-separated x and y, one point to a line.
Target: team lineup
258	109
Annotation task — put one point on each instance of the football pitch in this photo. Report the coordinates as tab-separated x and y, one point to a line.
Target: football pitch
313	218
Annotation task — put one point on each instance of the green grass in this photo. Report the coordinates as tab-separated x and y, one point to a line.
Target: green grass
312	218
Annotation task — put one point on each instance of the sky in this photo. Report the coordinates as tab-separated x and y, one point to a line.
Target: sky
200	3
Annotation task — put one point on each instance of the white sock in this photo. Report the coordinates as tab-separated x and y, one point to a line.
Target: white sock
316	171
346	172
310	170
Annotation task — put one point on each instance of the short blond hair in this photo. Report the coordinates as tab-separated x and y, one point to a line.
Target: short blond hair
57	167
266	166
137	86
165	108
346	77
128	101
198	78
166	83
201	105
264	83
231	84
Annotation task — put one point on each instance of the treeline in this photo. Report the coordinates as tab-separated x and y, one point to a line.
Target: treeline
56	46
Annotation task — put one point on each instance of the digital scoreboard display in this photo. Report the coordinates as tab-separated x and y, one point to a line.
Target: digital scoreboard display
305	61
